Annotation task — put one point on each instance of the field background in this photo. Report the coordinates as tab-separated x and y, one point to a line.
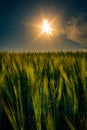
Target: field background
43	91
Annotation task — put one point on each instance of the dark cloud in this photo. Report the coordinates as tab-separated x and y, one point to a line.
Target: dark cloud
76	29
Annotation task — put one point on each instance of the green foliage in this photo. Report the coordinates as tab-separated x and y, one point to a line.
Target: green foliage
43	91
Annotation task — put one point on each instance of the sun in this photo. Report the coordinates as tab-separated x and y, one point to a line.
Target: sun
46	27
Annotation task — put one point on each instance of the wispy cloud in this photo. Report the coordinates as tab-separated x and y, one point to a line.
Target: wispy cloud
76	29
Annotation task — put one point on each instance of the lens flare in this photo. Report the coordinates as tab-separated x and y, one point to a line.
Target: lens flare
45	29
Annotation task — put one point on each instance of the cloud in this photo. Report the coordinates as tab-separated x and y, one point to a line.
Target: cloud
76	29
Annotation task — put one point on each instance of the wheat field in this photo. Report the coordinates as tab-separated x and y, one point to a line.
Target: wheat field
43	91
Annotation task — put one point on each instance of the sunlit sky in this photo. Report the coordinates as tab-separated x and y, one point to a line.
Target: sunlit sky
21	25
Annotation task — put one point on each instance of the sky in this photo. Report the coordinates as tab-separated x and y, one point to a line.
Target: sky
19	21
